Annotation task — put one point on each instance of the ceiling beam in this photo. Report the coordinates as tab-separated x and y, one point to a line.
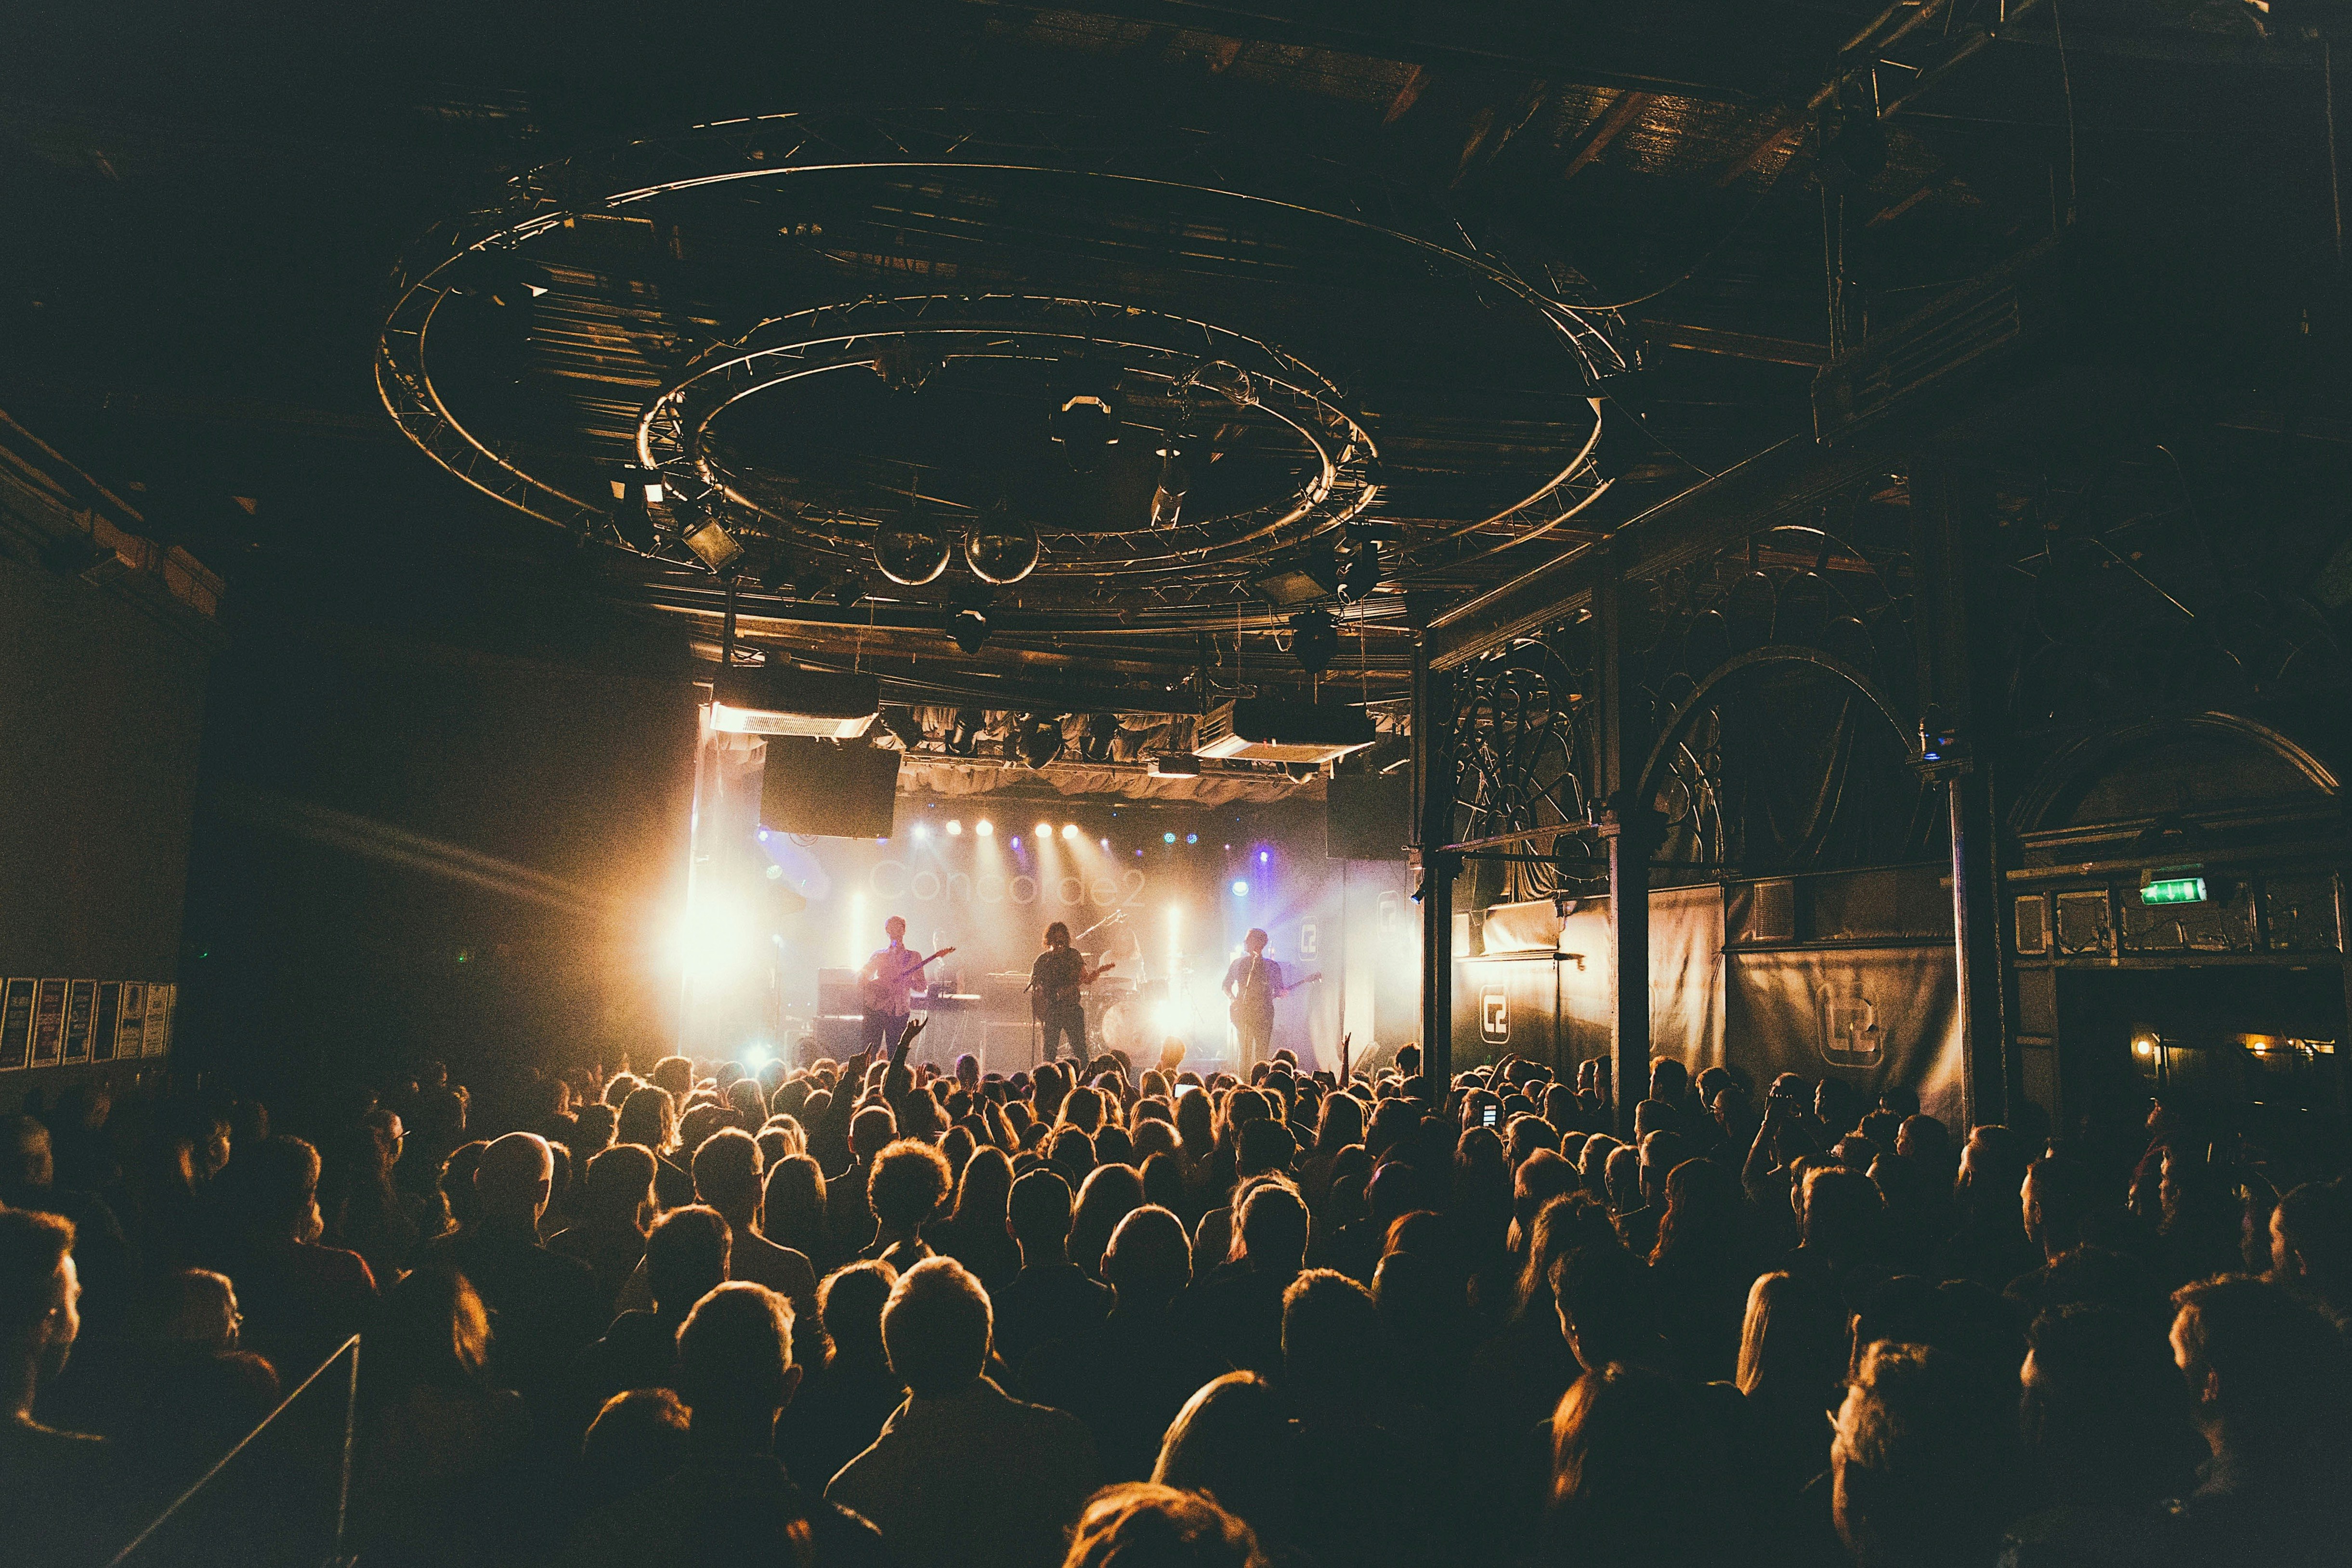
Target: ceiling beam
1612	123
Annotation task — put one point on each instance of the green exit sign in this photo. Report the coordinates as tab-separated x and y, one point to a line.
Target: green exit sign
2174	890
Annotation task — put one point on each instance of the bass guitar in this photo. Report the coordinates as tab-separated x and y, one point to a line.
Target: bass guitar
874	990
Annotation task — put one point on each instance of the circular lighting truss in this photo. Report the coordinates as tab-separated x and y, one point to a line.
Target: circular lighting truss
1159	359
683	366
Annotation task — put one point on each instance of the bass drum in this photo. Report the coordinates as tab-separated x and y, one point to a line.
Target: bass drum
1119	1030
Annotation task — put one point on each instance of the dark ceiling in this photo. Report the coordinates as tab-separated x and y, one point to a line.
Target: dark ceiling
209	202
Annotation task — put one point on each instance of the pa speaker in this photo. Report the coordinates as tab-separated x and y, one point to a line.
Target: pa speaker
1367	816
829	789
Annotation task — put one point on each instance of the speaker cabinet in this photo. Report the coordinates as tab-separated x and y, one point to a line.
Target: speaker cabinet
828	789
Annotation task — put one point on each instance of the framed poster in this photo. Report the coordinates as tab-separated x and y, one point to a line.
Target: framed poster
82	1012
131	1026
48	1020
17	1022
102	1025
158	1013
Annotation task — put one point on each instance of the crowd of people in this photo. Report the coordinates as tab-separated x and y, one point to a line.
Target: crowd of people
874	1312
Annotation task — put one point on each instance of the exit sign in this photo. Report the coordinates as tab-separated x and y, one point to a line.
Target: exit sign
2174	890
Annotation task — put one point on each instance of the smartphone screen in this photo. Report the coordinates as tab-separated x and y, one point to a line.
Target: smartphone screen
1492	1112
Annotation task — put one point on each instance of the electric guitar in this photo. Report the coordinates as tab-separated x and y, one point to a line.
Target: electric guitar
1041	1002
874	992
1279	992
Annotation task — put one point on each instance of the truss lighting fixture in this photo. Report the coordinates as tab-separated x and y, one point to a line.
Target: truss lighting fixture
1175	483
1362	574
1039	740
1086	426
984	827
969	629
963	737
955	828
1002	547
1314	640
1070	831
716	548
757	700
632	486
1044	830
1100	738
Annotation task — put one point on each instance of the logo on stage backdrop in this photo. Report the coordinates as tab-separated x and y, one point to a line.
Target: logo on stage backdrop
1851	1037
892	880
1495	1018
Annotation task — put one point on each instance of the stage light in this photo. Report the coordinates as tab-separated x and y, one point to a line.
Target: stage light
955	828
1191	838
1016	841
1175	483
1105	844
716	548
756	1056
984	827
780	699
647	482
1263	857
1070	830
1167	838
1002	547
1096	742
911	547
763	836
1241	888
921	831
1084	426
1044	830
1314	640
1039	739
1363	571
969	629
963	738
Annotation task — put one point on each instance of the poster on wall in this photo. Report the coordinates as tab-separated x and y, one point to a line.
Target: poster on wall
131	1025
48	1020
158	1035
17	1022
82	1016
102	1025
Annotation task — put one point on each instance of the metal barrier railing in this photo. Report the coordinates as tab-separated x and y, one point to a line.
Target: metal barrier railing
343	1490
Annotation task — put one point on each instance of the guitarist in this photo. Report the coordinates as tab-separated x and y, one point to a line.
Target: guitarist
885	982
1253	981
1055	982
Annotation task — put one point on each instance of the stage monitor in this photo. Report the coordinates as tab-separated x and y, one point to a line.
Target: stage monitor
828	789
1367	816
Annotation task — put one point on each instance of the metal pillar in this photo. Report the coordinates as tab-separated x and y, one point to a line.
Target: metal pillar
1951	506
1630	826
1432	827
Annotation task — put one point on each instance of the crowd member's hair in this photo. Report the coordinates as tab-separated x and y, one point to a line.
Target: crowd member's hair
1039	1209
1196	1123
196	1308
726	1167
272	1191
675	1075
1231	1442
2269	1369
648	1117
2062	1194
1081	1108
1632	1468
686	1257
1603	1309
1920	1453
936	1329
2104	1414
1271	1227
1342	1122
619	1087
639	1438
1138	1524
908	1183
850	1302
735	1349
871	1130
1331	1338
1792	1343
32	1247
619	1186
1705	1211
2311	1240
1563	1226
792	1204
1843	1212
432	1332
985	1191
1150	1259
1111	1193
